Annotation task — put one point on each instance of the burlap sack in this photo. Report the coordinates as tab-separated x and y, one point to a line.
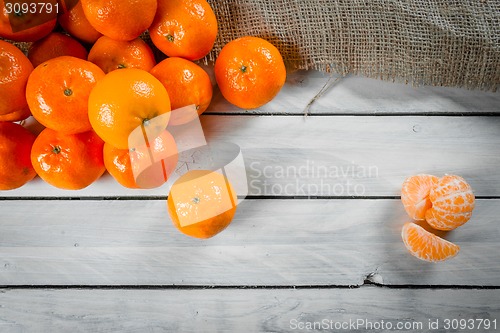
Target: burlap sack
430	42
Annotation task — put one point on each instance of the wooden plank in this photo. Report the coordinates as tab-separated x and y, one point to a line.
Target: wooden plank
337	156
270	242
359	95
357	310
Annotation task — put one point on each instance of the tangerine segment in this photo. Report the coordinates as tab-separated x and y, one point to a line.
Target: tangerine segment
452	203
202	203
250	72
124	100
425	245
68	161
58	91
415	195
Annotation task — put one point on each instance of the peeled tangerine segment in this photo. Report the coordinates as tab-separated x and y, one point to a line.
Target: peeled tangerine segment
452	203
415	195
427	246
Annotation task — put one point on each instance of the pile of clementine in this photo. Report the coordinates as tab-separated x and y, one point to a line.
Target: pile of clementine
441	204
105	96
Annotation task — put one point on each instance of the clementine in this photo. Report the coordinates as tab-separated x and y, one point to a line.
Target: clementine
58	92
15	69
55	45
120	20
202	203
127	99
15	163
250	72
68	161
74	22
185	29
147	165
110	54
186	84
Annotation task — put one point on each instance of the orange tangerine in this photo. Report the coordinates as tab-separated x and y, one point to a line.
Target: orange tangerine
68	161
15	149
250	72
186	84
184	28
202	203
120	19
58	91
125	100
74	22
55	45
154	160
117	162
15	69
110	54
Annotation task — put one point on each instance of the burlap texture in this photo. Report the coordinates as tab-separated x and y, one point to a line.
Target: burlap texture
422	42
430	42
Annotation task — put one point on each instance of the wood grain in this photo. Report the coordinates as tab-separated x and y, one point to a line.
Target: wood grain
279	242
240	310
270	242
336	156
359	95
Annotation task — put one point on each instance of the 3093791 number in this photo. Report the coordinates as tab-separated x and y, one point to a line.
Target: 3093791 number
18	8
470	324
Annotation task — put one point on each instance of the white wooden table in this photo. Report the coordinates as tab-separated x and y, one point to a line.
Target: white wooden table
316	241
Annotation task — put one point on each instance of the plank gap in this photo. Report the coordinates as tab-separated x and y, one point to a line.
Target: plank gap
366	284
359	114
252	197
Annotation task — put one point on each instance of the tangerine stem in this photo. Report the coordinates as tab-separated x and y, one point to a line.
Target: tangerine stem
56	149
68	92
